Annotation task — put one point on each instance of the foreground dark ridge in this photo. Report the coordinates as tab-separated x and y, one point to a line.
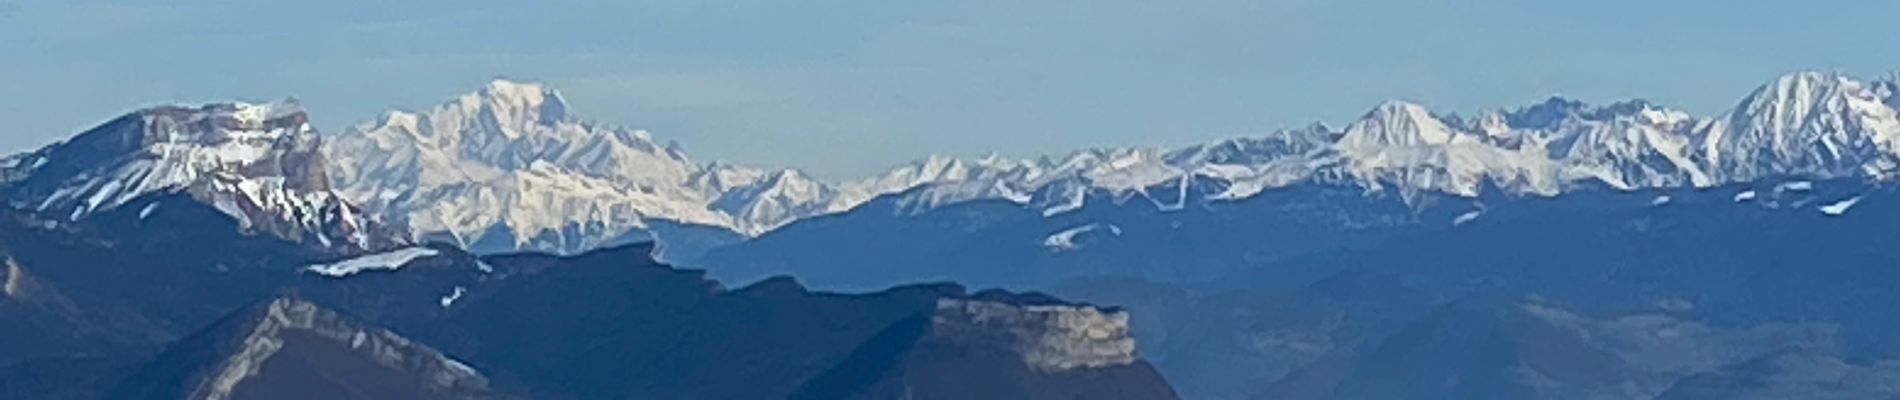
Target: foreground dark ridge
166	305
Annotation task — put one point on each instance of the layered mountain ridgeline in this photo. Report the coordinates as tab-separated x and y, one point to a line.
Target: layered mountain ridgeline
512	167
90	312
1410	253
286	348
1310	293
654	332
1226	253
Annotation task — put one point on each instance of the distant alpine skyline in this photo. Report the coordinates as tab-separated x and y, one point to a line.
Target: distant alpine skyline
848	88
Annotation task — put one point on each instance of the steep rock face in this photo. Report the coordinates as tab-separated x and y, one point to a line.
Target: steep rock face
996	348
288	348
261	164
1049	337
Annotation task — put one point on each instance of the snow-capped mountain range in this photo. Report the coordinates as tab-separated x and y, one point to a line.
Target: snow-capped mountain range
258	163
512	160
1809	125
510	167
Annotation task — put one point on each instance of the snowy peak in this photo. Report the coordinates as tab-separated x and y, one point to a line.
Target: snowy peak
509	102
775	200
1808	124
509	166
1794	100
259	163
1397	124
1811	124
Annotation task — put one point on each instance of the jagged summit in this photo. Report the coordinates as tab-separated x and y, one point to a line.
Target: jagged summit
260	163
1809	123
509	167
1397	123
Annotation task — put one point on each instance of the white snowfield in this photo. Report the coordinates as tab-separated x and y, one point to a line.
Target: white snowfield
1065	240
1840	207
390	260
512	156
1467	217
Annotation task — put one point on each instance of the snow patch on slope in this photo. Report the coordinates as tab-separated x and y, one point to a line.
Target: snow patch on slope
449	299
1840	207
391	260
1066	239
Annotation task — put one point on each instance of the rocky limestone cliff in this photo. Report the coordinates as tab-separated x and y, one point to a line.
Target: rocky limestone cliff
261	164
1050	338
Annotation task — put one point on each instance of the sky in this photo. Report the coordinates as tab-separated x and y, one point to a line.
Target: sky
846	88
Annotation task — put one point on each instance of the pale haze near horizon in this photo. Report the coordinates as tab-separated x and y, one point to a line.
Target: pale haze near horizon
845	89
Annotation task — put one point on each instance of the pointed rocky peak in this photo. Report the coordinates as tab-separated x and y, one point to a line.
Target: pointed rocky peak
1794	88
1795	99
1397	123
1808	123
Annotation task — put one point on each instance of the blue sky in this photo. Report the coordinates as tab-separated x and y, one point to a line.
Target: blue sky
843	88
